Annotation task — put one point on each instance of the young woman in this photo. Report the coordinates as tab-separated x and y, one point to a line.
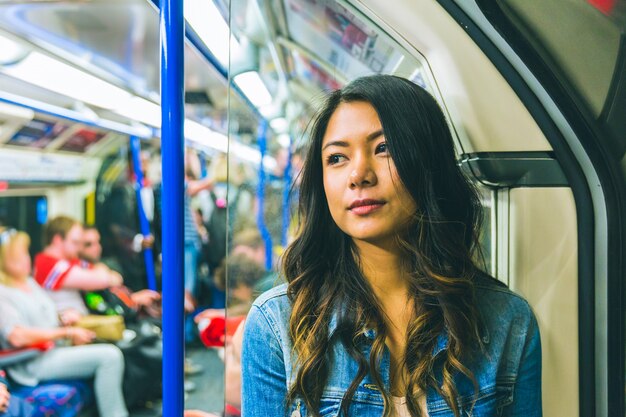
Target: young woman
28	316
385	312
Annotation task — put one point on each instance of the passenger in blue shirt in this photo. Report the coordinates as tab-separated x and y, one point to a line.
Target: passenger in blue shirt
385	312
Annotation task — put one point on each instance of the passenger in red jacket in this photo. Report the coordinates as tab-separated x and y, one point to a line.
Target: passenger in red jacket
59	269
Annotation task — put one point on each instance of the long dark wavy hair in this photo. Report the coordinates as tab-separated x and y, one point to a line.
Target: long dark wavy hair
322	265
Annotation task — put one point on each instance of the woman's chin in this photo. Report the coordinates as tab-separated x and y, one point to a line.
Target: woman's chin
383	240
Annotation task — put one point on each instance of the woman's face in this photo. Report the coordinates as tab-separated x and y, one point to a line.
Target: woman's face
365	196
17	261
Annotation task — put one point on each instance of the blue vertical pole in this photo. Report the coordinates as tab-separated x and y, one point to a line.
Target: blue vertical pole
260	194
172	116
144	225
286	195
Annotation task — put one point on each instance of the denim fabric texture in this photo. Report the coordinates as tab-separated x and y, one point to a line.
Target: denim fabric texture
508	369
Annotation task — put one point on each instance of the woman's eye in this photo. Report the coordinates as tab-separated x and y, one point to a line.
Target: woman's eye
335	159
381	148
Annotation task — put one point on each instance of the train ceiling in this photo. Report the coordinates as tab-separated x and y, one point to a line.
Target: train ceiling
298	48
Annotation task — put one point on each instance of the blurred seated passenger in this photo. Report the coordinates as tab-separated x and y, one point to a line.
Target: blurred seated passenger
232	366
244	274
91	251
250	243
59	270
28	316
143	355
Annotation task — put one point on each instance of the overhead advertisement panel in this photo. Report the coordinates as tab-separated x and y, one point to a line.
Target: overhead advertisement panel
37	133
17	166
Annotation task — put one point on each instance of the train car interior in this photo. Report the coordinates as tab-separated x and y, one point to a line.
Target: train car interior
534	93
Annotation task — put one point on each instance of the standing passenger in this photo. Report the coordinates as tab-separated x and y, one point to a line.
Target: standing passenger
117	217
385	311
192	246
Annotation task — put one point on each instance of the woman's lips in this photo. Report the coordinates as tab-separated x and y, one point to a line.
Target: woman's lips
363	207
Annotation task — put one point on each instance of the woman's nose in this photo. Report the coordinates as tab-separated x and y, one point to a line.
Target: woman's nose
363	174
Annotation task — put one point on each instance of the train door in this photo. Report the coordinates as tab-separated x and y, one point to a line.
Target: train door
584	76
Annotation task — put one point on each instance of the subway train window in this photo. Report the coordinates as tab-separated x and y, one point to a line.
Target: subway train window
588	62
143	235
28	213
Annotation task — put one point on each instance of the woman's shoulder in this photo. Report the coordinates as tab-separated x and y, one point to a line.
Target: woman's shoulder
270	314
496	300
276	296
274	305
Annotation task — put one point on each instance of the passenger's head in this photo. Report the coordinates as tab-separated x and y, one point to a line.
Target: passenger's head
249	242
15	262
239	274
192	164
297	159
90	249
64	235
145	158
385	138
281	156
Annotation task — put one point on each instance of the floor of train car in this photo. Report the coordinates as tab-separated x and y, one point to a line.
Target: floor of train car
208	394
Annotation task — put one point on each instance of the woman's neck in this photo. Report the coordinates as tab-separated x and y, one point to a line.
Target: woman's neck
384	270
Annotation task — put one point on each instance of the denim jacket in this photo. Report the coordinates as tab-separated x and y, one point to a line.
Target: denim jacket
508	369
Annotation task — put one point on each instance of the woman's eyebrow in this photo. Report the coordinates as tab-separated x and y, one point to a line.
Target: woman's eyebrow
340	143
345	144
374	135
